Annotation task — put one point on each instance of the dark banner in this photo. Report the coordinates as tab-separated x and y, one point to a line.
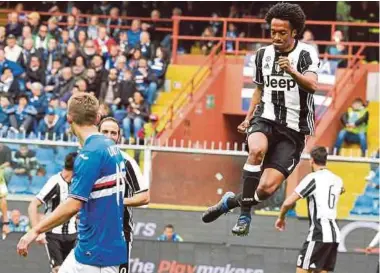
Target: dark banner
167	257
149	224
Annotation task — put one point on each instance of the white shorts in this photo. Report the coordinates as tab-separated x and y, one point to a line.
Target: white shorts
70	265
3	190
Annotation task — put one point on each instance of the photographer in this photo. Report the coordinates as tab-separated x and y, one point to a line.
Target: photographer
138	114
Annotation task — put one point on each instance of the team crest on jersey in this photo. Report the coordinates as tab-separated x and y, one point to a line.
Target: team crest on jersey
267	59
277	67
266	66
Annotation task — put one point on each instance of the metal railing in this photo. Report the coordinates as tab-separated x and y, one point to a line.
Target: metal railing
333	25
187	92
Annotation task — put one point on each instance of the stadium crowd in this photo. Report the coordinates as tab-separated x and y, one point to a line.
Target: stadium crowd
43	65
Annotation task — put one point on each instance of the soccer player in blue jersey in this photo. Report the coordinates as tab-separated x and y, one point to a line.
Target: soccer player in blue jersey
96	194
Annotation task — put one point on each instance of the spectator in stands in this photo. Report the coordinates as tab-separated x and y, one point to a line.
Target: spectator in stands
355	122
92	29
79	68
88	52
206	45
12	50
51	125
138	114
72	27
80	86
34	22
337	49
110	90
64	41
308	38
234	12
38	100
25	161
103	42
35	72
145	46
101	73
53	29
2	37
71	54
111	57
17	223
42	39
50	54
19	8
114	20
91	80
123	42
134	33
6	112
67	81
133	61
13	27
53	77
82	38
216	25
121	66
5	163
159	66
27	52
26	33
8	84
104	111
24	116
231	33
170	235
155	36
102	9
54	104
146	81
127	88
16	69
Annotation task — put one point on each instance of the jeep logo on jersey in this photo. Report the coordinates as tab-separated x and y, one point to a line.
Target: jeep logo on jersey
279	82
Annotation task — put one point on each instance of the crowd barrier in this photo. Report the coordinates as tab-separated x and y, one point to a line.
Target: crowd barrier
186	257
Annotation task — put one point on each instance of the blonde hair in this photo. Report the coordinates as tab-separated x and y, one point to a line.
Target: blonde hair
83	109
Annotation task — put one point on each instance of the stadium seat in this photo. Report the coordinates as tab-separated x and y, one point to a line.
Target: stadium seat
52	168
37	183
45	155
363	206
62	152
372	192
19	184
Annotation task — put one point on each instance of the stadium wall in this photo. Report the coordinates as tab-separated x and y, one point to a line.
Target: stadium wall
149	223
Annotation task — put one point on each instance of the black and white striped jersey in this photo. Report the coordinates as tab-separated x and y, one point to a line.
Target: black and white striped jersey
283	100
54	192
136	183
322	190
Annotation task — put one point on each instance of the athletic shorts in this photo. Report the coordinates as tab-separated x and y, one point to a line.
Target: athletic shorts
3	189
284	145
71	265
318	256
59	247
124	268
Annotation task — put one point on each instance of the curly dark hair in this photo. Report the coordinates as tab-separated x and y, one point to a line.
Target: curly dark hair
288	12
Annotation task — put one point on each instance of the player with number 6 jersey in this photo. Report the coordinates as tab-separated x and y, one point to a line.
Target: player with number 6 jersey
322	189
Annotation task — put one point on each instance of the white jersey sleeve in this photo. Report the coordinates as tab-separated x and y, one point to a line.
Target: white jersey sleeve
306	187
134	177
309	60
48	190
